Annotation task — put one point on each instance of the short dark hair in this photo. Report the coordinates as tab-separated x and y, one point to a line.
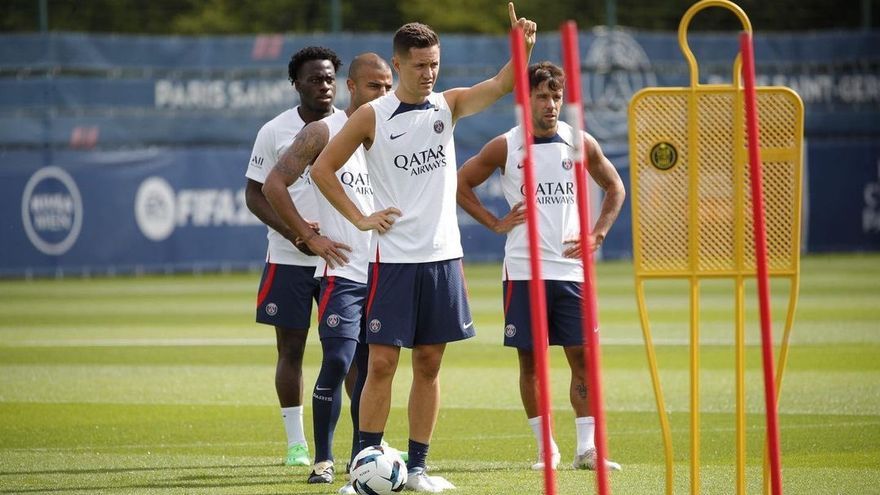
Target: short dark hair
308	54
546	71
414	35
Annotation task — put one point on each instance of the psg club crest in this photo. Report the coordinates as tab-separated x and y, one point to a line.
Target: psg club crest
333	320
375	325
567	164
438	126
271	309
510	330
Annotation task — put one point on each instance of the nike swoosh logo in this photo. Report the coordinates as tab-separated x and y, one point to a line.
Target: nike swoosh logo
322	388
397	136
467	325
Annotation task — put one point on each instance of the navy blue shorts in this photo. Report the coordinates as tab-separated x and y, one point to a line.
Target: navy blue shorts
412	304
286	295
563	313
340	309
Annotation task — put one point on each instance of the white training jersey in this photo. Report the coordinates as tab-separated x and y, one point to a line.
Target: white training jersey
272	141
356	183
412	167
553	160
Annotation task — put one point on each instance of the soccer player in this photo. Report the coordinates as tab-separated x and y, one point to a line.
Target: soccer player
561	268
344	252
416	284
288	284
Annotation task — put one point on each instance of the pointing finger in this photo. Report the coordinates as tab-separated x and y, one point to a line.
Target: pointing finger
512	12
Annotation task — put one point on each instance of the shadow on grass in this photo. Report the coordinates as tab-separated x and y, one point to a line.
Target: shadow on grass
138	469
228	479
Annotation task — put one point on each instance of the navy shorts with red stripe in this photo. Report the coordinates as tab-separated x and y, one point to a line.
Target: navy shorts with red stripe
340	308
285	296
563	313
411	304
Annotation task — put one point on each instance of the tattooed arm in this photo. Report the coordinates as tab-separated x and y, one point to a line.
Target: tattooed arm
302	153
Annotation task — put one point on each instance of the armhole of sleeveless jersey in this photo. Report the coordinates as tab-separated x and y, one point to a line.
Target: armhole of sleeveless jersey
506	153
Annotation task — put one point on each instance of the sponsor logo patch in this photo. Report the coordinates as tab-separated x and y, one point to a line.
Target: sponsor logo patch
52	211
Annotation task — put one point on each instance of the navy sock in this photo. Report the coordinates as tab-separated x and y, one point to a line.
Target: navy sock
369	439
361	360
418	452
327	395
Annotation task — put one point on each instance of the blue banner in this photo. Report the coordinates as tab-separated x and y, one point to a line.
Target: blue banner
140	83
127	153
126	211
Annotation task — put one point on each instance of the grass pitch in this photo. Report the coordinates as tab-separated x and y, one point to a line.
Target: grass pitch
165	385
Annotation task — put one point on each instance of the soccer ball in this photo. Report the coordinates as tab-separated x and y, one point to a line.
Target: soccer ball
378	470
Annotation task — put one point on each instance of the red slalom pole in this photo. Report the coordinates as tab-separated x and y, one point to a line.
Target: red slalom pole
748	68
536	284
589	309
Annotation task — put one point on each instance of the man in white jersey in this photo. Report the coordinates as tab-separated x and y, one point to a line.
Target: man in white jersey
561	269
416	297
345	252
288	286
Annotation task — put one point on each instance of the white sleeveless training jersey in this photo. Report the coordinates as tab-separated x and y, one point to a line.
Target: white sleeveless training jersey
553	160
272	141
412	167
356	183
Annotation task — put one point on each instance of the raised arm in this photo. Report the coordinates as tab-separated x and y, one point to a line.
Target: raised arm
468	101
358	130
476	171
603	172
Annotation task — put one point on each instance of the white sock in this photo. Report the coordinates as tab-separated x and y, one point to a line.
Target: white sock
293	425
535	423
586	430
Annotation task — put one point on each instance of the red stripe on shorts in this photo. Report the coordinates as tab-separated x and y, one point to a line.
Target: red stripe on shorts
509	291
267	284
374	284
331	282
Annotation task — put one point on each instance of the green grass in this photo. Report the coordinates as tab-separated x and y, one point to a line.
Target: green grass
165	385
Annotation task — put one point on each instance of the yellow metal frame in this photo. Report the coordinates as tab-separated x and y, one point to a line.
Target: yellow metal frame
704	240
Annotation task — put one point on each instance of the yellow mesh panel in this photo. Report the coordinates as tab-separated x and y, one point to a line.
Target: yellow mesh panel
663	193
712	166
715	181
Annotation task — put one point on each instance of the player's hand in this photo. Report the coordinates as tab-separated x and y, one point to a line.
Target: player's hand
301	244
528	27
516	216
574	245
380	221
333	252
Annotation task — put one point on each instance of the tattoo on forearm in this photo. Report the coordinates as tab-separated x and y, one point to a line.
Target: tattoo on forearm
302	153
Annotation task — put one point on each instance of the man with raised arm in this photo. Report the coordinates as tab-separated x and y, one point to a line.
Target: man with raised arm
417	297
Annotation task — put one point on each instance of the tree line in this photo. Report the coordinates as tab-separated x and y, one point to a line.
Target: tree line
198	17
